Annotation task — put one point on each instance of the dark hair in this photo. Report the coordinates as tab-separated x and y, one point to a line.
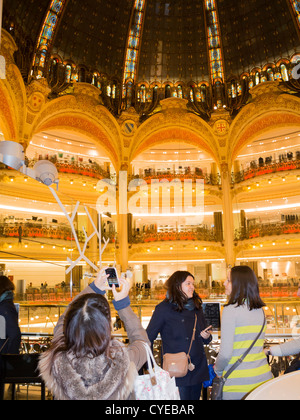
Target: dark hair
87	327
175	293
244	288
5	285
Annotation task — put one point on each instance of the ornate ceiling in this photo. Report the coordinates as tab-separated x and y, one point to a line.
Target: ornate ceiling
174	40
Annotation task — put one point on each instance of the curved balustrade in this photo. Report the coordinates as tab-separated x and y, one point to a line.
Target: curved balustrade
287	165
201	234
31	230
80	169
92	169
209	179
268	229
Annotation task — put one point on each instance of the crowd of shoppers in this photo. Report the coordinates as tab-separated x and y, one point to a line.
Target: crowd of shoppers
86	362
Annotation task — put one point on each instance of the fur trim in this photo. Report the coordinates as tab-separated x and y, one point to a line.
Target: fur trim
99	378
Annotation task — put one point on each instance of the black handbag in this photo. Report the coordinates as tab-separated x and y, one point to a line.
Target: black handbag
218	383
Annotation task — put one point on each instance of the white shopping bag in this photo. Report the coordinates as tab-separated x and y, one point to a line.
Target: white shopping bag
157	384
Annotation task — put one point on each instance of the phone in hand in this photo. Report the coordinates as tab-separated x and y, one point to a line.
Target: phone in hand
112	277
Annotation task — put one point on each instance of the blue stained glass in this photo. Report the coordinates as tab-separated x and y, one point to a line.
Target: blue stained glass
47	31
53	20
296	6
215	55
133	41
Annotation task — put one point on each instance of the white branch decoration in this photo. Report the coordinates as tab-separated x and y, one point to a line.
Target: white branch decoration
82	255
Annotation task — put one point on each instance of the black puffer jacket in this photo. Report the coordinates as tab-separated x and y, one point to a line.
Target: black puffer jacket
9	327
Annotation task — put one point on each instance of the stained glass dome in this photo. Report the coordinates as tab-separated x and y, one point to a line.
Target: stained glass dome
154	40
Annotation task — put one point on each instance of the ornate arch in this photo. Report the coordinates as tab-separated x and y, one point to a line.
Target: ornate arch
174	123
12	93
67	113
270	108
7	117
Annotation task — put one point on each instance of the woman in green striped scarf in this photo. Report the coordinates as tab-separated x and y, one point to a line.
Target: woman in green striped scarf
242	319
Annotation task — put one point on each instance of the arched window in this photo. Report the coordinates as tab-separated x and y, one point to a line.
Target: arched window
81	77
143	94
197	95
203	93
233	89
113	91
263	78
284	73
68	73
179	91
167	91
270	75
191	94
95	79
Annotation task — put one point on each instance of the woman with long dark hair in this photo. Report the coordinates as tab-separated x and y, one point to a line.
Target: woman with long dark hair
84	361
242	320
174	319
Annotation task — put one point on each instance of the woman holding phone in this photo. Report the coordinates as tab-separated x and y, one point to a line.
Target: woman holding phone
174	319
84	362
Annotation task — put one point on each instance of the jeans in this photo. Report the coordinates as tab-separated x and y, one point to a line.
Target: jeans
191	393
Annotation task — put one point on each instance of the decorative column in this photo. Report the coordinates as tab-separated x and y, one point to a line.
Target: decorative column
92	251
122	217
228	225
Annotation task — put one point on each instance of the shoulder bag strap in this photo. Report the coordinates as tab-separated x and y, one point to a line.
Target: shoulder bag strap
193	336
5	342
239	361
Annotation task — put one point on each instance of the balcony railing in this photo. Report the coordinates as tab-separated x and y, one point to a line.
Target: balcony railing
91	169
199	234
38	230
263	169
209	179
267	229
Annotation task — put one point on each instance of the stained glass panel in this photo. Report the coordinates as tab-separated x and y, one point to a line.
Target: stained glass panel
133	41
214	43
296	7
47	32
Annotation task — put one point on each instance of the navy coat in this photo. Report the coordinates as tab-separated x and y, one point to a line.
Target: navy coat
176	330
9	312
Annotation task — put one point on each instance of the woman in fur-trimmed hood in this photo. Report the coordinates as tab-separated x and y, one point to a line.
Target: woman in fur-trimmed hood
84	362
